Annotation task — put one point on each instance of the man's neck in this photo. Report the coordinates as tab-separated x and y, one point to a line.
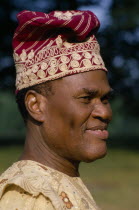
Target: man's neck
37	150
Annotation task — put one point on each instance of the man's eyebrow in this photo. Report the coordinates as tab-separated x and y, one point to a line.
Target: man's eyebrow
90	91
110	93
95	92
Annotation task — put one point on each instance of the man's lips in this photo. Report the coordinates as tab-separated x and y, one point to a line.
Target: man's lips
98	131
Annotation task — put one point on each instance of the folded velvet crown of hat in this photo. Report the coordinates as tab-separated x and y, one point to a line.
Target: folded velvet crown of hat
54	45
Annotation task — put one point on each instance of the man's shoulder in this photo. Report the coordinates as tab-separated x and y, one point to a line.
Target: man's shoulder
16	198
31	176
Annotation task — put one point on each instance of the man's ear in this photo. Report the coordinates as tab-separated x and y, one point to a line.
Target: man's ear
35	104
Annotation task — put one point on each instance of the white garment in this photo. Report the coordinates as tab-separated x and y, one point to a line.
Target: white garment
29	185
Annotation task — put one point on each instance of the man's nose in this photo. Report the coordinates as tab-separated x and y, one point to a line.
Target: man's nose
102	111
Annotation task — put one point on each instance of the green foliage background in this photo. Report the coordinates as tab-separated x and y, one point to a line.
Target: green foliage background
119	47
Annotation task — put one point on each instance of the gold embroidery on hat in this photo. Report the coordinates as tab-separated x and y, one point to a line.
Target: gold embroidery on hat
63	67
33	77
16	56
56	60
66	16
87	26
76	56
23	55
44	65
35	68
87	55
74	63
25	79
53	62
64	59
97	59
67	44
31	54
41	74
19	68
87	63
59	41
52	70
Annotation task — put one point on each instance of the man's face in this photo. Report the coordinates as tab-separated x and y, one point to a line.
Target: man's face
77	116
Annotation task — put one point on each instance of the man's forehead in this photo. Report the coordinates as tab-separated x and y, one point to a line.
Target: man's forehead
93	77
84	82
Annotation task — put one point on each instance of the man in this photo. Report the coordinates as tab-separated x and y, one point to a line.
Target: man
63	95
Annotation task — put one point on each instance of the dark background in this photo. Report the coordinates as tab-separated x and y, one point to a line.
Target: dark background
119	40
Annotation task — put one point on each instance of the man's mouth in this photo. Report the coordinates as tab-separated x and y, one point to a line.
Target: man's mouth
98	131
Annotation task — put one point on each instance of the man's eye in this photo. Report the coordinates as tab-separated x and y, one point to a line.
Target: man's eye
106	99
86	99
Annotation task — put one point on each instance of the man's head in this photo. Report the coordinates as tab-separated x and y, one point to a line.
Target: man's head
62	82
73	119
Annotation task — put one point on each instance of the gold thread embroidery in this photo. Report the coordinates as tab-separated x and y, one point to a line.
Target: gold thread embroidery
44	65
87	55
41	74
19	31
74	64
35	43
35	68
59	75
80	23
76	56
63	67
87	63
52	70
33	77
88	24
58	58
64	59
65	16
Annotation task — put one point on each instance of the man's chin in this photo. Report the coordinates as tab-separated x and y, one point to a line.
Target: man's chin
94	154
89	160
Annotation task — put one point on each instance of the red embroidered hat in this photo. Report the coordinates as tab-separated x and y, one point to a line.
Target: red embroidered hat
54	45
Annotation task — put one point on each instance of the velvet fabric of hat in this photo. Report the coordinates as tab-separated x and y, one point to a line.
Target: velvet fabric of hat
51	46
